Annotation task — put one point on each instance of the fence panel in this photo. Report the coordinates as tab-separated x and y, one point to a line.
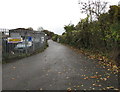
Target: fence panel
17	43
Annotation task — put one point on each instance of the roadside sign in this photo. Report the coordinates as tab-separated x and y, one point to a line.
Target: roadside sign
29	43
29	38
14	40
42	39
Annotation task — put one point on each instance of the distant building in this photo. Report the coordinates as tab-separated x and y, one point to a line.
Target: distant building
22	32
30	35
119	3
20	38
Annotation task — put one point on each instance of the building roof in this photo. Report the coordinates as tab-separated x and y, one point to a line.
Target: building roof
24	31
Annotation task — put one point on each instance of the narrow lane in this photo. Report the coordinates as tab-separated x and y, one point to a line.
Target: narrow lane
0	61
57	68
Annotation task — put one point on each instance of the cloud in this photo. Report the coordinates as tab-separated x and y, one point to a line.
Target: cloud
50	14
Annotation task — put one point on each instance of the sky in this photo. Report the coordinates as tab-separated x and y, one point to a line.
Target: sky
52	15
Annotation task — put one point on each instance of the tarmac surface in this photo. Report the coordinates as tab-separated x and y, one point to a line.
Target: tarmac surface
57	68
0	61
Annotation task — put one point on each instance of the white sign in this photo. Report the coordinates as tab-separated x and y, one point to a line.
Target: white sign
42	39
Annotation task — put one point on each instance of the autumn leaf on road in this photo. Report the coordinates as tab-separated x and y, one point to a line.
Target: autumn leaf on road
14	67
59	72
103	79
111	87
67	77
40	89
96	85
13	78
94	77
86	78
69	89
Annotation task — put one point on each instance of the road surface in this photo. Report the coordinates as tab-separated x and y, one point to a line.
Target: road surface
0	61
57	68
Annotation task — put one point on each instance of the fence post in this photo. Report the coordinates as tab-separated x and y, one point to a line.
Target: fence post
25	42
33	42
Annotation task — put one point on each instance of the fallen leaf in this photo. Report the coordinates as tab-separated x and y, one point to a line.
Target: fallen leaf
14	67
67	77
104	88
59	72
98	80
116	89
74	86
75	90
78	86
104	79
69	89
108	76
96	72
103	67
81	75
115	67
100	59
93	88
111	87
40	89
94	76
93	84
108	69
97	85
13	78
86	78
82	85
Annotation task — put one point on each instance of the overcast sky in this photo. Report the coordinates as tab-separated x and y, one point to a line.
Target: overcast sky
49	14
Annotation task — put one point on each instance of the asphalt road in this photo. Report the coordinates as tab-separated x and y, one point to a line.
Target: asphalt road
0	61
57	68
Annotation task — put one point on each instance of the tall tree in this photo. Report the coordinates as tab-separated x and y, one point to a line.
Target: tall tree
93	8
40	29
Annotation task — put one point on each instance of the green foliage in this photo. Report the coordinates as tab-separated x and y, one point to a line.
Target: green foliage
69	28
115	30
102	35
114	13
49	33
55	37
